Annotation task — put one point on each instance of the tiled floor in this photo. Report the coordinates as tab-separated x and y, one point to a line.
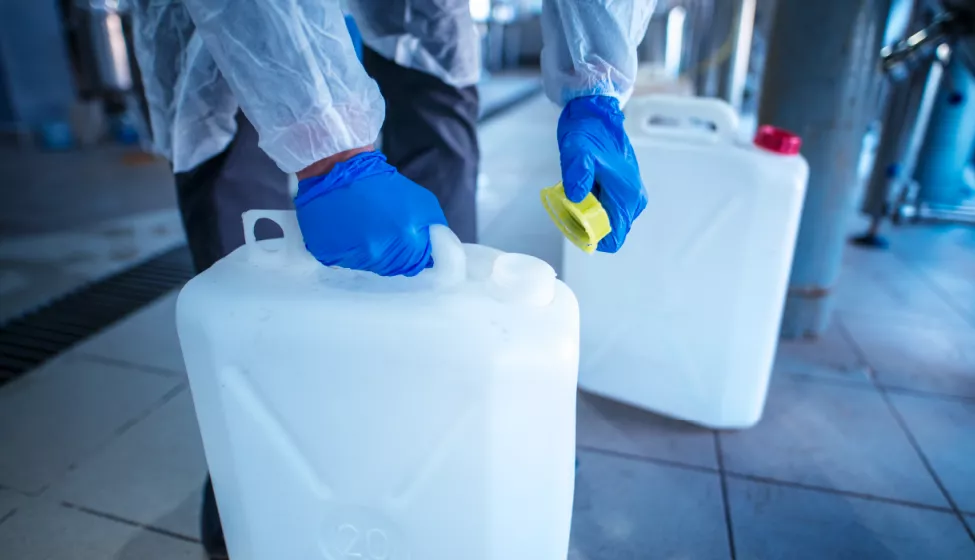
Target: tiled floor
777	521
866	449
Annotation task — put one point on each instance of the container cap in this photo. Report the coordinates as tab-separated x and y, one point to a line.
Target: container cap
777	140
584	224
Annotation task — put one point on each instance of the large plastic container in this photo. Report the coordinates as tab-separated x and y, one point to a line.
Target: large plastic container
684	320
351	417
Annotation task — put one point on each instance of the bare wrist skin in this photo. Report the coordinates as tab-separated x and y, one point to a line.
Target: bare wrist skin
323	166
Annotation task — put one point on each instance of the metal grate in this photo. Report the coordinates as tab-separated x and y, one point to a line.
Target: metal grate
31	340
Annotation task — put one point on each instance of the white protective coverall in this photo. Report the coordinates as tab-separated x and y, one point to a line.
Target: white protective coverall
290	66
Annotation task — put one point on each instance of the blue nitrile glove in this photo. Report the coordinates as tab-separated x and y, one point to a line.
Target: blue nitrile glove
596	156
364	215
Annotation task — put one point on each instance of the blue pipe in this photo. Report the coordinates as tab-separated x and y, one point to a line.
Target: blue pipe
949	141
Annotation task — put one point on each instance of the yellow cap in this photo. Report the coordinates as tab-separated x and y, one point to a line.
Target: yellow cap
584	224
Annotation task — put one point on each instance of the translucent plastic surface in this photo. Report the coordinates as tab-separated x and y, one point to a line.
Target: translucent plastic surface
351	417
684	319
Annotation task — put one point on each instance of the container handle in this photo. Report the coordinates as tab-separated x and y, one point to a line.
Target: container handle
681	117
449	257
293	247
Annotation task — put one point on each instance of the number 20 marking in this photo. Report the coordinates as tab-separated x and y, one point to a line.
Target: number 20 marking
373	546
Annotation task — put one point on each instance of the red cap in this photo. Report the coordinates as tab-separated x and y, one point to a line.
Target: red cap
777	140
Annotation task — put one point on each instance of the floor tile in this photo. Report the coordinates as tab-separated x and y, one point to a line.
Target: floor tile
147	338
831	436
919	358
945	256
631	510
948	247
605	424
152	474
881	285
772	521
831	356
957	287
945	431
52	418
10	501
47	531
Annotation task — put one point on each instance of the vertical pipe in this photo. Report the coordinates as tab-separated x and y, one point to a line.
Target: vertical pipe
902	111
725	51
820	82
947	148
734	70
712	45
919	127
653	49
901	100
674	49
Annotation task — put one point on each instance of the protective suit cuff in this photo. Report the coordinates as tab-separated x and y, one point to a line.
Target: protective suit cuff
321	135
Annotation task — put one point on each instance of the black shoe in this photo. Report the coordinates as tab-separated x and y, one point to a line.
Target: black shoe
211	531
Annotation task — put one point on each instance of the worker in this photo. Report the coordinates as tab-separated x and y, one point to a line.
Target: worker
243	92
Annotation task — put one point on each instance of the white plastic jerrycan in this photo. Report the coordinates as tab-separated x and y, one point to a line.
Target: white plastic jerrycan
684	320
347	416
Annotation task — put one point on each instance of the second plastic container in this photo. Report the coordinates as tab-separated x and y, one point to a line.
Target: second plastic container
684	320
351	417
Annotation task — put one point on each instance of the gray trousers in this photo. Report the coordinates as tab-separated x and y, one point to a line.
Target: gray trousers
430	135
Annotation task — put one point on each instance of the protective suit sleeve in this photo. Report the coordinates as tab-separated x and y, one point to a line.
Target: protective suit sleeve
293	70
434	36
590	47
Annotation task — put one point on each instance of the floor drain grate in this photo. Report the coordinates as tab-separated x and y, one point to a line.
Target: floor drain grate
31	340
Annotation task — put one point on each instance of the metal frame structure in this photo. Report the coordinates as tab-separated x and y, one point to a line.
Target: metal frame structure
916	66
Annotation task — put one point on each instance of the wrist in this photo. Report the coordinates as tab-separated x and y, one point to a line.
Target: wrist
593	106
323	166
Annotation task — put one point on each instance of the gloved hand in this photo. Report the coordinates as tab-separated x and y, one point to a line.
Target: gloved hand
596	156
364	215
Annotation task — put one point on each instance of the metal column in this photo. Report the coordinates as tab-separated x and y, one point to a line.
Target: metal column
821	79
